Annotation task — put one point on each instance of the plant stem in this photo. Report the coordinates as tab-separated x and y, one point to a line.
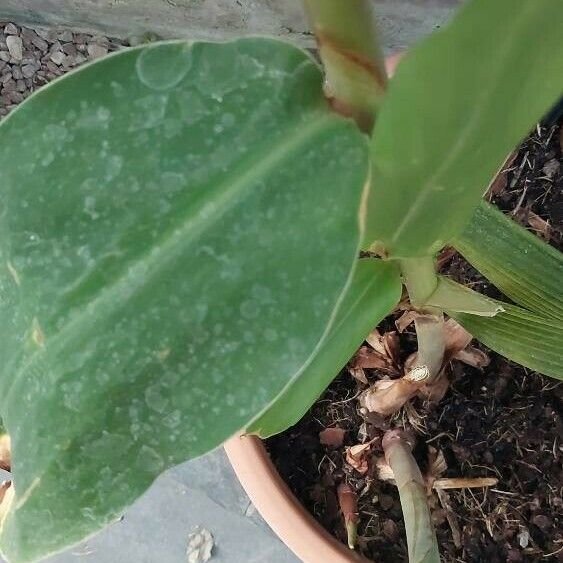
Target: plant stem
349	48
421	538
420	278
431	344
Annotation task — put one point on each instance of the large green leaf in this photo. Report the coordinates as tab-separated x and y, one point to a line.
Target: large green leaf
457	105
374	292
527	338
178	225
524	267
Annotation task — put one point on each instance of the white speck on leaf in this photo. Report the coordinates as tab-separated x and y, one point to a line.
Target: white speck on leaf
90	207
200	545
103	113
37	333
13	273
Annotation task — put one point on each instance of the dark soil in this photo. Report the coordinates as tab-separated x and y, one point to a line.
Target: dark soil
504	422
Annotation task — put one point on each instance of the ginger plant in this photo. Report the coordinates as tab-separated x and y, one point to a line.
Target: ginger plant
349	56
180	229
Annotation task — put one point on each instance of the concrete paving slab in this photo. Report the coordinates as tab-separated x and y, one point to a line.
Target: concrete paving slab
401	21
200	494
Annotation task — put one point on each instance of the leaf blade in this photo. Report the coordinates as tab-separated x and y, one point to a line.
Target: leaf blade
476	92
522	266
526	338
144	280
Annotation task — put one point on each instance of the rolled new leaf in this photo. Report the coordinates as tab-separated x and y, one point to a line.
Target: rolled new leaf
421	537
520	264
348	501
522	336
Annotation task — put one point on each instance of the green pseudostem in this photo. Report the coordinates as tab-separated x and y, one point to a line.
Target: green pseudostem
355	85
421	281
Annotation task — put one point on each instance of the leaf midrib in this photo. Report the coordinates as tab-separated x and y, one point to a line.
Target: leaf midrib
227	191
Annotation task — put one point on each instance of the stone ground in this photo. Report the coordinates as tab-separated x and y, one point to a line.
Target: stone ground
197	500
31	58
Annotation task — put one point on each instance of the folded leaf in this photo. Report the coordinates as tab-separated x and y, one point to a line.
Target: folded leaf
374	292
178	225
526	338
520	264
459	102
456	297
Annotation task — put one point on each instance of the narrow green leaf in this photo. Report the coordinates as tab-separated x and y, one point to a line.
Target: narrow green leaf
178	225
526	338
374	292
456	297
520	264
458	104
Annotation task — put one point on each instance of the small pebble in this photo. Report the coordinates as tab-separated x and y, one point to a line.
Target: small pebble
96	51
40	43
16	97
45	34
28	70
11	29
56	46
65	36
69	49
58	57
53	68
15	47
523	538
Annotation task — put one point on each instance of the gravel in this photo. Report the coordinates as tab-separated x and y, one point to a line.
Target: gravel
29	58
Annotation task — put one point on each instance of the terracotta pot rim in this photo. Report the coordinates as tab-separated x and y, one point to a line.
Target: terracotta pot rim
280	509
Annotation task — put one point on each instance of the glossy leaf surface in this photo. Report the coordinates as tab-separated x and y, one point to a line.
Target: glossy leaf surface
520	264
374	292
458	103
178	224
